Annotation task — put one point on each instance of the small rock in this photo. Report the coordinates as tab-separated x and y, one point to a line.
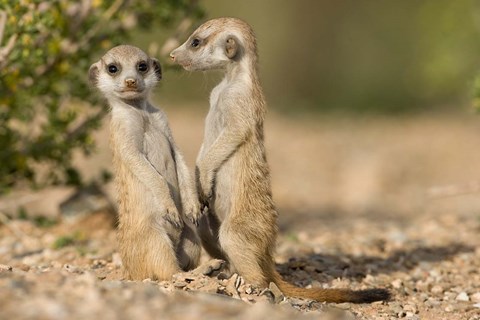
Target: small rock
397	283
4	268
72	269
401	314
23	267
266	293
239	282
277	294
116	259
395	308
476	305
449	308
248	290
436	289
475	297
410	308
344	306
432	303
462	296
179	284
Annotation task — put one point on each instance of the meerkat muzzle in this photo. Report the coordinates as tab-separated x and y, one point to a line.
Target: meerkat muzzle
131	83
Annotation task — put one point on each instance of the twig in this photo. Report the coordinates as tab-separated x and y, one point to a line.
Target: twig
453	190
3	21
5	51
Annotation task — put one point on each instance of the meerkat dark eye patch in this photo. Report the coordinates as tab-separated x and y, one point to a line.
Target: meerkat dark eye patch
195	43
112	68
142	66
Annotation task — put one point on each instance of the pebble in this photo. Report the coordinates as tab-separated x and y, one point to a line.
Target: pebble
396	308
179	284
475	297
431	302
436	289
397	283
449	308
4	267
116	259
427	276
410	308
72	269
24	267
462	296
277	294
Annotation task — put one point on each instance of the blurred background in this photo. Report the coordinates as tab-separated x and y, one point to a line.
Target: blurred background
371	103
350	56
372	137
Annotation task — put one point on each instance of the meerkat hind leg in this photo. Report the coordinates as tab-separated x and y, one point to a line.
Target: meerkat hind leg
208	229
245	259
152	257
189	250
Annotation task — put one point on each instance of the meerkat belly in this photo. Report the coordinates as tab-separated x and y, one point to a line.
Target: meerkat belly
225	186
159	153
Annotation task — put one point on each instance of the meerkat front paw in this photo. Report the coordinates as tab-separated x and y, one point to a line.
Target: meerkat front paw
204	181
192	211
172	216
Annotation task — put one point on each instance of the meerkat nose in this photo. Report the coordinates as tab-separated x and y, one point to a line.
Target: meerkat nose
172	56
131	83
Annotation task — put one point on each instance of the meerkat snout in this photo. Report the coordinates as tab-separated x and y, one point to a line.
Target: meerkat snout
131	83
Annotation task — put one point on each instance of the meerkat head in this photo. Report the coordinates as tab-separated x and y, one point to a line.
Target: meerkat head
125	72
216	44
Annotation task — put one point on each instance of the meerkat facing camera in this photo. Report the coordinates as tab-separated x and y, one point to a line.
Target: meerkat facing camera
156	192
233	178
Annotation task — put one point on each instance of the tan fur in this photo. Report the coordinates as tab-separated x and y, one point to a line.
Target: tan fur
233	176
156	192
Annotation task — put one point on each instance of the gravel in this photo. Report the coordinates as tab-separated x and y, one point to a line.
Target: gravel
427	252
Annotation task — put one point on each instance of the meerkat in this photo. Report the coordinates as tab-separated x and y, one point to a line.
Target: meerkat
232	172
156	192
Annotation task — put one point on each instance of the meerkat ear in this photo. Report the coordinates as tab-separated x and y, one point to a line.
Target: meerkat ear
231	47
93	74
157	68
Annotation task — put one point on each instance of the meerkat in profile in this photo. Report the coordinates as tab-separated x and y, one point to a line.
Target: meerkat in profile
156	192
233	178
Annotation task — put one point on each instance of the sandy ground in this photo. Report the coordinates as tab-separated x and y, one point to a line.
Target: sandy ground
359	207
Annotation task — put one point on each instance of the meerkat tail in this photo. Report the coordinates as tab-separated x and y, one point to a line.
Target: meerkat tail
331	295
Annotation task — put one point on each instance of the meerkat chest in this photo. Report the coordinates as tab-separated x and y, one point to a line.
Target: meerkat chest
157	146
216	115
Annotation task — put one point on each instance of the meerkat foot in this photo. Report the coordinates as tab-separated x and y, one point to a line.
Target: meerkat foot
211	268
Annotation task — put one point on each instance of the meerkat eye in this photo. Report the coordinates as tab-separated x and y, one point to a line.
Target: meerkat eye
142	66
112	69
195	42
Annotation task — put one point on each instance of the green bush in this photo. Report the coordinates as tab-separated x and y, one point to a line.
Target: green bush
47	109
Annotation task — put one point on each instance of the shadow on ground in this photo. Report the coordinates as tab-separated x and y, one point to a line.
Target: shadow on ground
357	267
